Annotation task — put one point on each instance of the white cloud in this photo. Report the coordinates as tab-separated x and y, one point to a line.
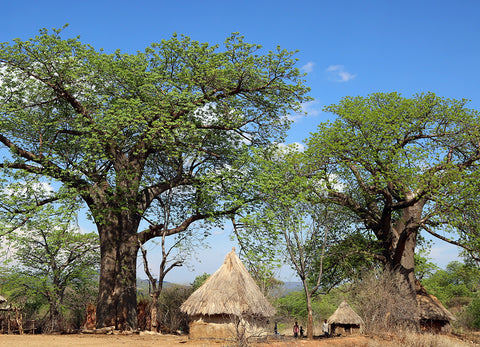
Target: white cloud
308	67
338	73
295	146
443	253
295	117
29	190
310	108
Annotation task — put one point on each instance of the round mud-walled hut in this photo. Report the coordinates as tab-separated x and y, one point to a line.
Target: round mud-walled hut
433	316
228	304
345	321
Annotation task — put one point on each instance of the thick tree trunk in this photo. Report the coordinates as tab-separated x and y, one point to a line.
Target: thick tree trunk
117	297
400	252
404	264
399	237
55	319
403	273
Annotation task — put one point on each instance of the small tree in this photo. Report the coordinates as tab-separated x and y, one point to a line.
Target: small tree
286	224
174	254
306	241
170	301
199	280
166	265
50	255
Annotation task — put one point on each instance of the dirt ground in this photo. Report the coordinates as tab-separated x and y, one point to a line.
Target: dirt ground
149	340
144	340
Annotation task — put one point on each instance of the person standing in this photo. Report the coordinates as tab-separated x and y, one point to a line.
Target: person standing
295	330
326	330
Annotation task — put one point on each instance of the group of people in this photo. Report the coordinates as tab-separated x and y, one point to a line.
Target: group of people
298	331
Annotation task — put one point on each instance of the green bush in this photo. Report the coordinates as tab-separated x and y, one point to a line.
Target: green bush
472	311
294	306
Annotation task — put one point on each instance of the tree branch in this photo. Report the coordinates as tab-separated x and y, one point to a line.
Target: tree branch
453	242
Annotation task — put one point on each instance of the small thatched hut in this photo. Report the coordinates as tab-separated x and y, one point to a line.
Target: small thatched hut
345	320
228	303
433	315
4	304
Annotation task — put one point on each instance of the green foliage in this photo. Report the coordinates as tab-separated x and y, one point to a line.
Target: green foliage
49	262
290	225
199	280
457	281
122	131
458	287
472	312
424	268
294	305
179	99
350	252
400	165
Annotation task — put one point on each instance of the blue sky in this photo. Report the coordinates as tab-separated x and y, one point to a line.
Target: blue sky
347	48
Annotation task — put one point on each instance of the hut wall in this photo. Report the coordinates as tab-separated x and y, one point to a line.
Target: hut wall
225	327
435	326
345	329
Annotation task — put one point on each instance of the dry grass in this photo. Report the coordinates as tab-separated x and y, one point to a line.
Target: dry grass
381	301
410	339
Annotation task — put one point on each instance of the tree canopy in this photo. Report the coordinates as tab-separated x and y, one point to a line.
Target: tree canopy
120	130
401	165
289	225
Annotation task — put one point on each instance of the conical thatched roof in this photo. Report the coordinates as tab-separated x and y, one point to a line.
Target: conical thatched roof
345	315
230	290
4	304
429	307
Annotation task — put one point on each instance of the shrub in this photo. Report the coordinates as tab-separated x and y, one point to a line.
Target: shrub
381	301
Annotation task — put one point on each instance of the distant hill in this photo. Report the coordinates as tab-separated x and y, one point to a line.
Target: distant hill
143	286
292	287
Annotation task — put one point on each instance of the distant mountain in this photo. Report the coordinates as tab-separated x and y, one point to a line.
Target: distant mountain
286	288
143	286
292	286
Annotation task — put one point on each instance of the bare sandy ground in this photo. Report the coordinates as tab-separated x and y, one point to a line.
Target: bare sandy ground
148	340
156	340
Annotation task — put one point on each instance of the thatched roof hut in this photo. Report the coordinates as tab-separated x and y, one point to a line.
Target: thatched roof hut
432	314
345	320
4	306
228	299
